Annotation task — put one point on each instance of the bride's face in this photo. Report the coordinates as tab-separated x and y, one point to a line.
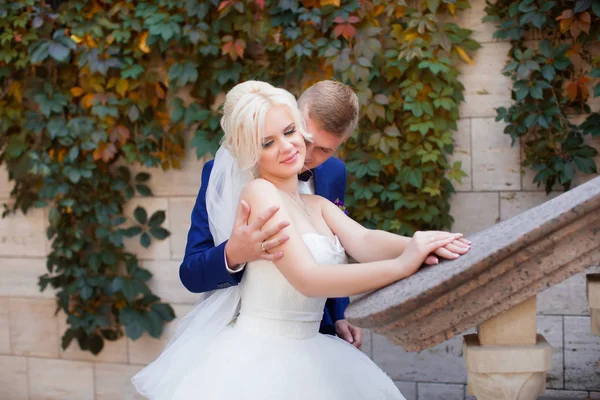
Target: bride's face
283	148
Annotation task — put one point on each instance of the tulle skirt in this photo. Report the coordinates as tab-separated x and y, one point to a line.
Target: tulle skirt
242	365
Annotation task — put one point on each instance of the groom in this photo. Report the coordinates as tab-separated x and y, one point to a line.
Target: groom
330	110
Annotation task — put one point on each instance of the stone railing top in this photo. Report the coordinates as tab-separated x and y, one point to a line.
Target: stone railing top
508	263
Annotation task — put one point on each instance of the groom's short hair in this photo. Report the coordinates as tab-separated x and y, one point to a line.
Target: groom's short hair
332	106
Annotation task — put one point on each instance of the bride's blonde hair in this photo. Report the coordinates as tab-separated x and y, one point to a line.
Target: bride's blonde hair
243	121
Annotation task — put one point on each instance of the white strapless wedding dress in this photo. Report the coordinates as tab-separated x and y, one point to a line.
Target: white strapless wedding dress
273	350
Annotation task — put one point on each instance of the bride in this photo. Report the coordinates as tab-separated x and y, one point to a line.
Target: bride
260	340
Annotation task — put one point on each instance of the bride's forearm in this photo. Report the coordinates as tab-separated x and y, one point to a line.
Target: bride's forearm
341	280
377	245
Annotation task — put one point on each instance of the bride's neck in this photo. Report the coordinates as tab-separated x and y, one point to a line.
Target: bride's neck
289	185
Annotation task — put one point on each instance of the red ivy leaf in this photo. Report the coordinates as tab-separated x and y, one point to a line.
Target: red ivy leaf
223	5
120	133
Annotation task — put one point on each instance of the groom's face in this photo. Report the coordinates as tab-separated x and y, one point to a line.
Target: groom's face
324	144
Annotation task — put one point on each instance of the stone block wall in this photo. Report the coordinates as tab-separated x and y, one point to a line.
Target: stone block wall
33	366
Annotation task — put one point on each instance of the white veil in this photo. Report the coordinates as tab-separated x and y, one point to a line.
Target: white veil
216	309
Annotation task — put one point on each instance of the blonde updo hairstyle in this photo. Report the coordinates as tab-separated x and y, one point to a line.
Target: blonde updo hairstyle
243	122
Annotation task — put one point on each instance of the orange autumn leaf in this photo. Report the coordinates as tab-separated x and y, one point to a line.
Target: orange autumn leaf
76	91
15	91
240	46
120	133
96	8
226	48
61	155
399	13
163	118
86	101
122	86
90	42
105	151
346	30
581	82
572	89
463	54
142	45
411	36
378	10
452	9
134	96
566	20
335	3
160	92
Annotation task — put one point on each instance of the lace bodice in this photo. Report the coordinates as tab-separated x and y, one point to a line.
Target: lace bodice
271	305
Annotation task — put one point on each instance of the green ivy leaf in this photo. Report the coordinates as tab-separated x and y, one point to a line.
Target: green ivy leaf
58	51
585	165
74	175
134	330
433	5
548	72
143	190
132	231
140	215
133	72
415	178
145	240
68	336
157	218
546	48
164	310
39	51
128	290
159	233
560	63
181	74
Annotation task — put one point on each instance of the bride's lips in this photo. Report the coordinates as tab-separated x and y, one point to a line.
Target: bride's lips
290	159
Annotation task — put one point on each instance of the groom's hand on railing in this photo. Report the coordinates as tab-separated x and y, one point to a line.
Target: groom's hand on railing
249	242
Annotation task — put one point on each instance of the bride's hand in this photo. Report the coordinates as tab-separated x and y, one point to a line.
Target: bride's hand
249	242
422	245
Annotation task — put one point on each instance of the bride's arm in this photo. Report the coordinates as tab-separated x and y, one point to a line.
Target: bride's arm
364	245
336	280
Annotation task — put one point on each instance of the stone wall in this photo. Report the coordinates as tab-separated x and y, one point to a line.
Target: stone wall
32	365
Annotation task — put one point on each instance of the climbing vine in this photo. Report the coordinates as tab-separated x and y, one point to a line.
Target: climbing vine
554	67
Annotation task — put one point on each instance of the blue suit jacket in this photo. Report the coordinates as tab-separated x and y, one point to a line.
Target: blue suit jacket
203	267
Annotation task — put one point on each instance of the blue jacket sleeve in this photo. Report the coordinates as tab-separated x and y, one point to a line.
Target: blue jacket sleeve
203	267
337	306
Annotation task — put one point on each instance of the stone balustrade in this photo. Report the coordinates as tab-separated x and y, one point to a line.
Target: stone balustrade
494	288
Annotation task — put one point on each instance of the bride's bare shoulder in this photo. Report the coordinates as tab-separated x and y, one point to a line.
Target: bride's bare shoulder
261	190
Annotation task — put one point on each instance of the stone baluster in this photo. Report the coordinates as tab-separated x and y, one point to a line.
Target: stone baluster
507	359
593	295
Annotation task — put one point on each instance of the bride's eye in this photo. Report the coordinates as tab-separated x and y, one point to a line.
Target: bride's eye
267	144
291	131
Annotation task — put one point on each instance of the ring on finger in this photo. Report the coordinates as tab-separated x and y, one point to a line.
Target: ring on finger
262	247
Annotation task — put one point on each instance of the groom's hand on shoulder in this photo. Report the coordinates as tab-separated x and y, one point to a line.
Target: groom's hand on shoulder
248	242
